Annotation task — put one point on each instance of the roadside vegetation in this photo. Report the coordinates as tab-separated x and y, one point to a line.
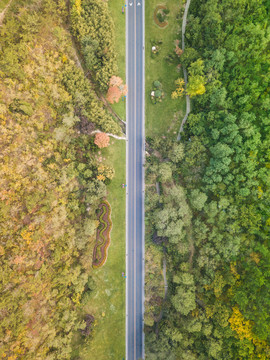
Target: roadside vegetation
54	176
107	304
115	8
212	215
3	4
107	301
162	68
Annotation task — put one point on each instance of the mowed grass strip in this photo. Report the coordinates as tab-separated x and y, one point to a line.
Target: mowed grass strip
168	114
115	7
107	304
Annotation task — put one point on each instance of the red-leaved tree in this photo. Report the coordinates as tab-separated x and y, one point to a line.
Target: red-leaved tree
102	140
116	89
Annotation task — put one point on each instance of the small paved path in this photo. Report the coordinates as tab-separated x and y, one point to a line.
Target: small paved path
2	14
112	135
184	23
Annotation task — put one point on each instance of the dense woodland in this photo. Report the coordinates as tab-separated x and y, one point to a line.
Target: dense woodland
93	28
212	218
49	186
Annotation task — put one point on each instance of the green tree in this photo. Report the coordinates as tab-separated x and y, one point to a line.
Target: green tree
197	199
164	172
184	300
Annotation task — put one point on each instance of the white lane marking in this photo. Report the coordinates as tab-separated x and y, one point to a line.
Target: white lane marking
135	205
130	4
127	182
143	169
138	4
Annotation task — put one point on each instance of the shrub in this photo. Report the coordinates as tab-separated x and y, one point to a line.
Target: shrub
157	84
22	107
161	17
102	140
103	236
158	93
89	321
116	89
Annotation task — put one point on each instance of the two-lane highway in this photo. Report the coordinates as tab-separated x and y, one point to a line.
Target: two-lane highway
135	180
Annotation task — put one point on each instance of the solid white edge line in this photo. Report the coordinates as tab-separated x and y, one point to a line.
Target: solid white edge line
135	186
143	174
126	250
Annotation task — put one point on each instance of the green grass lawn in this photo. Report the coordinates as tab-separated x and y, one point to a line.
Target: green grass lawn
115	7
108	301
164	117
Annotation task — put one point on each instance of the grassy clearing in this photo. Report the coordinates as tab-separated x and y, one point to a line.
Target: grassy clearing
107	303
115	7
164	117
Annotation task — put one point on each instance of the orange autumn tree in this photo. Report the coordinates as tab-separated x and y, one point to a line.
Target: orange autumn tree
102	140
116	89
177	49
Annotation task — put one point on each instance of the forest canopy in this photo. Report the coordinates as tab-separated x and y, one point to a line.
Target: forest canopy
49	185
215	228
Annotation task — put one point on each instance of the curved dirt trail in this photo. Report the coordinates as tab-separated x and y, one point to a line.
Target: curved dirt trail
164	257
184	23
164	270
164	276
2	14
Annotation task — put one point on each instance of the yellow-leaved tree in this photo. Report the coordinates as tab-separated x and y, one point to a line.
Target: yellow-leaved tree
179	91
196	79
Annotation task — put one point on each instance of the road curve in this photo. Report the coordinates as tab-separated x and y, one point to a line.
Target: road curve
135	180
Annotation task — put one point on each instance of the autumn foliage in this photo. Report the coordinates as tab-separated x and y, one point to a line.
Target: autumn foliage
177	49
116	89
48	186
180	89
103	235
102	140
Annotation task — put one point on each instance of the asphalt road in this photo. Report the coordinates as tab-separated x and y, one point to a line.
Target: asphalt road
135	181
